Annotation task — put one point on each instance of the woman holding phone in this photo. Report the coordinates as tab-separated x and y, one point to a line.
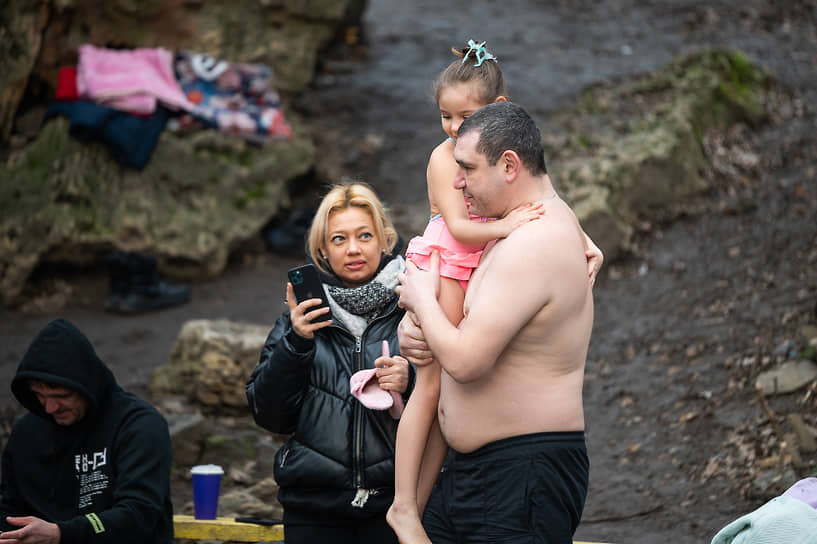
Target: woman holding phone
336	471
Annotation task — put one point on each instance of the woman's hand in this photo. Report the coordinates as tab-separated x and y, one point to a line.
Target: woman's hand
392	373
302	319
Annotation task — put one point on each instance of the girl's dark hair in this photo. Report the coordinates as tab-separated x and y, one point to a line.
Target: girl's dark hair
487	77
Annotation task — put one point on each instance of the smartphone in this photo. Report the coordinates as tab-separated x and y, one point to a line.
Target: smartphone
306	282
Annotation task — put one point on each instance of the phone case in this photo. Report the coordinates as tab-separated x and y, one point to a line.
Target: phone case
306	282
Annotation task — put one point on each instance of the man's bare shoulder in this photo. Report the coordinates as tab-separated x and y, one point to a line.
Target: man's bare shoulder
522	250
512	275
544	241
560	220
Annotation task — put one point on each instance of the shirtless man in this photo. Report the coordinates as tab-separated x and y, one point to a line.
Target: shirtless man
511	387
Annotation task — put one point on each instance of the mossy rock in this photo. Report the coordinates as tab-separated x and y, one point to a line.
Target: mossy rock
627	150
199	198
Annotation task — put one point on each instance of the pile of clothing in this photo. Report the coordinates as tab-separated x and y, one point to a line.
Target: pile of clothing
126	98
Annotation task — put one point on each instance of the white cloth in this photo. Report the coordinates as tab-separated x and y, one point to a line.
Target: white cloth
782	520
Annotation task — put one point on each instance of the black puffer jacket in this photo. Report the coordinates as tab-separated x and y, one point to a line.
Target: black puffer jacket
340	452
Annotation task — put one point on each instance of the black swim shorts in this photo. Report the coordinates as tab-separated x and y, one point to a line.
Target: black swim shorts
523	489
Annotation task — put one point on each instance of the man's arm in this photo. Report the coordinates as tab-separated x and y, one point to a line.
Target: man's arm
8	488
512	289
141	454
15	527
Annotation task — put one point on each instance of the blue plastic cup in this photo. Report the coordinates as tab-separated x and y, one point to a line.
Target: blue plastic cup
206	484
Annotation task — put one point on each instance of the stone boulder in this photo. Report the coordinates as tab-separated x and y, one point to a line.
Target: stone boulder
260	500
210	364
626	151
788	377
21	30
187	434
241	448
199	198
201	195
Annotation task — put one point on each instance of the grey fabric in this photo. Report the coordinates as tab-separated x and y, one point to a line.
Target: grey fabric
355	307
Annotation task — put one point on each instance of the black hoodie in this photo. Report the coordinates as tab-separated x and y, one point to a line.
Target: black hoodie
105	478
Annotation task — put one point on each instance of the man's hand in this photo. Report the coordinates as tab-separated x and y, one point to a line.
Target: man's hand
33	531
412	341
419	287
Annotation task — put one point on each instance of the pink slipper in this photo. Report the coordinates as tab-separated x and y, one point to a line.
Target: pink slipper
363	385
397	408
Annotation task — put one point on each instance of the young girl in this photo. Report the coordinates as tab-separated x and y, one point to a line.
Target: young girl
468	83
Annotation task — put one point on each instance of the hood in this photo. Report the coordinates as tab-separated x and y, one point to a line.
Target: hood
61	355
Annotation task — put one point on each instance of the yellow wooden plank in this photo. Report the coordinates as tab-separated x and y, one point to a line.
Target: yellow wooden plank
228	529
225	529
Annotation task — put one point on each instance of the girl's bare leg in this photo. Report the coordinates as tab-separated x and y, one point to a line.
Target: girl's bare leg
412	452
412	435
433	459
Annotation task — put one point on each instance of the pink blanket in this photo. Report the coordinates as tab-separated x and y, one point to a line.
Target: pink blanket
129	80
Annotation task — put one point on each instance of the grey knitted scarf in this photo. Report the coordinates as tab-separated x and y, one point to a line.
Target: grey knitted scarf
355	307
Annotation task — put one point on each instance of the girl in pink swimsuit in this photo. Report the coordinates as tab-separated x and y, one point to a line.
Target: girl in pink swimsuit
471	81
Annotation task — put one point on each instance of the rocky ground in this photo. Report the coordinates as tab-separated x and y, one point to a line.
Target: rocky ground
680	442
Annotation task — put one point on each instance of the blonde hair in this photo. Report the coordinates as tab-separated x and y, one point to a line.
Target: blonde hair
486	78
341	197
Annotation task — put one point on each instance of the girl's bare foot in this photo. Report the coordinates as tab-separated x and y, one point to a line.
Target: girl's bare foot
405	521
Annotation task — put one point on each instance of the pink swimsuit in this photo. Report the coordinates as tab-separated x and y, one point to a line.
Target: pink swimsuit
457	260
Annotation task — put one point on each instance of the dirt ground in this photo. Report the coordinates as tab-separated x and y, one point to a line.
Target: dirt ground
683	324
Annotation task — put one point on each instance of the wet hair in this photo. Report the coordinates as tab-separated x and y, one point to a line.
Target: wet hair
487	78
506	126
342	197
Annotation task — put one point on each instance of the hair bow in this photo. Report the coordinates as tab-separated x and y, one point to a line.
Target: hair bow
480	53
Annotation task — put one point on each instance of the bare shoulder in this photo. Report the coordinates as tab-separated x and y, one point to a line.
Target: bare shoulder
442	154
441	165
520	250
552	238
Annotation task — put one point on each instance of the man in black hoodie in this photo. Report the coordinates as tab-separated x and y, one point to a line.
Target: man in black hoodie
89	462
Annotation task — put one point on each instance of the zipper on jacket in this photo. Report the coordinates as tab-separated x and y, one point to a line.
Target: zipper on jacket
284	457
358	415
358	427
